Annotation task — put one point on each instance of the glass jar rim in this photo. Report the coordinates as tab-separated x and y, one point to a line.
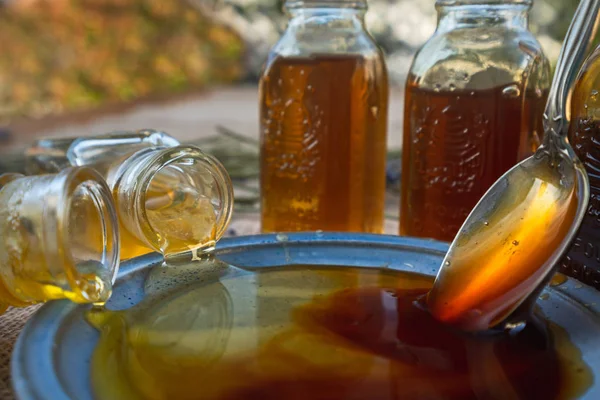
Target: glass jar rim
351	4
172	155
70	180
450	3
8	177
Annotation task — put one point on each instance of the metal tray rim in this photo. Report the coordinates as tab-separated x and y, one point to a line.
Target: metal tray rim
27	389
37	344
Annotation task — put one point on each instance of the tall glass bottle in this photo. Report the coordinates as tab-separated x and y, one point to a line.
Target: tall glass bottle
59	238
474	103
583	259
323	122
170	198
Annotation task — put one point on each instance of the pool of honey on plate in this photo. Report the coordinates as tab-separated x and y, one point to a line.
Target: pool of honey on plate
310	332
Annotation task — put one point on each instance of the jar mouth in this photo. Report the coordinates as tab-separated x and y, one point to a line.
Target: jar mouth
351	4
185	200
9	177
449	3
87	234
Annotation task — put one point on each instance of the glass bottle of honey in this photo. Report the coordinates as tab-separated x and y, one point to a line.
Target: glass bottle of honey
323	122
475	97
169	197
583	259
59	238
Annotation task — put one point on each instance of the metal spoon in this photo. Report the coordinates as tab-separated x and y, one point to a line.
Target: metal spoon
508	247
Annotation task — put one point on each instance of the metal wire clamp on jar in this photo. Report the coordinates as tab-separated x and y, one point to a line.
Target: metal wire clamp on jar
170	198
59	238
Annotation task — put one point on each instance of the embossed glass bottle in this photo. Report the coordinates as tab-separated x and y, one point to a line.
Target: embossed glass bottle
323	122
59	238
583	260
170	198
475	96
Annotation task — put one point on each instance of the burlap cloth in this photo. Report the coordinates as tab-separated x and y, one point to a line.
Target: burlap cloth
11	324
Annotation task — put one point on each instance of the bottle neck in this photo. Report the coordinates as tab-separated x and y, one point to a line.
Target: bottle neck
482	14
173	199
333	14
291	5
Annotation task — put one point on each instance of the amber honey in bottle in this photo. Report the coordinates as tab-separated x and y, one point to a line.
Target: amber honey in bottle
323	116
460	142
468	120
583	259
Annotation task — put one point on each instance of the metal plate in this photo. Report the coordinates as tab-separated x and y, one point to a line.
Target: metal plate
51	360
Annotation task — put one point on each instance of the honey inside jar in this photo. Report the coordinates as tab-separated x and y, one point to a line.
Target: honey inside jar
62	247
323	125
180	214
314	332
583	260
456	145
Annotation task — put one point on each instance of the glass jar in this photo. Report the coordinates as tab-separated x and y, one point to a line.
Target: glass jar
583	260
323	122
170	198
474	104
59	238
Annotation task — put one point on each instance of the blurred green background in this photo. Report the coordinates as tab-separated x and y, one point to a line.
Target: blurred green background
67	55
61	55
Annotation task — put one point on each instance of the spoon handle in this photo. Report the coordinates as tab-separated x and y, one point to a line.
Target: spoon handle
578	39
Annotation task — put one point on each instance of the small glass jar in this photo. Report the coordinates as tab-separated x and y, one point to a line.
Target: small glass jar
323	122
474	104
583	260
59	238
170	198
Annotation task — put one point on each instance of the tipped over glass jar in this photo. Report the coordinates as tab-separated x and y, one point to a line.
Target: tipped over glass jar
169	197
59	238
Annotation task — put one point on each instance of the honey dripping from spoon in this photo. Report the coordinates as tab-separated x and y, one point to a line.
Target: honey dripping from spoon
482	283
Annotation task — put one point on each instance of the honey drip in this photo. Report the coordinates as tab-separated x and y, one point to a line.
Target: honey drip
310	332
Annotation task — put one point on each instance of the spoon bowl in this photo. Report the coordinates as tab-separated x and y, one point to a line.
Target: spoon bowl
511	241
